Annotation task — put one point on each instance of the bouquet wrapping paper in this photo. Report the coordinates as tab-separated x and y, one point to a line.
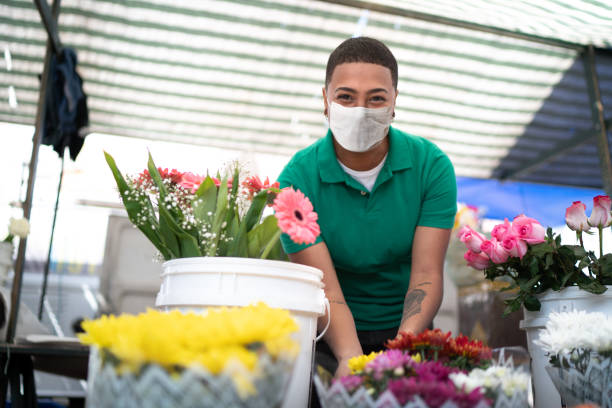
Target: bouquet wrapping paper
154	387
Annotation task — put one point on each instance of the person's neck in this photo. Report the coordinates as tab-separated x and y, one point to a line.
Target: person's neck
362	161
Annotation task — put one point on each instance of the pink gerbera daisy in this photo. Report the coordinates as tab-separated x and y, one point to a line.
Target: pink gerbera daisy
296	216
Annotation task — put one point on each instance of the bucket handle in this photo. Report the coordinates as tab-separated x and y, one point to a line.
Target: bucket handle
328	308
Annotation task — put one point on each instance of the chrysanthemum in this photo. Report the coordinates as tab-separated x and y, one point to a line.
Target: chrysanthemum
296	216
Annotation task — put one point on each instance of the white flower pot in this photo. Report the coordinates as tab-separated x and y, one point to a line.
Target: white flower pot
198	283
6	260
572	298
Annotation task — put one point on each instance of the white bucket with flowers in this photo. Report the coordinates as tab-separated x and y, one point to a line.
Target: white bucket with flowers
546	276
221	249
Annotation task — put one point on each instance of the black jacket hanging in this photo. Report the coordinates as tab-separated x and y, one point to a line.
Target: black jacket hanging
66	106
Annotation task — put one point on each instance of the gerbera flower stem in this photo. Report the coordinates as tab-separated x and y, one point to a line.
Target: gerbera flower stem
271	244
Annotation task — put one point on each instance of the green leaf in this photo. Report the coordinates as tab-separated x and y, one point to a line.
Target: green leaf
218	218
541	249
205	200
169	237
532	303
579	252
136	207
512	305
187	243
527	286
256	209
260	236
592	286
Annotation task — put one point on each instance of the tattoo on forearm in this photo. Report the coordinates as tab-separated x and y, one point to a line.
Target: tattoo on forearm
423	284
412	303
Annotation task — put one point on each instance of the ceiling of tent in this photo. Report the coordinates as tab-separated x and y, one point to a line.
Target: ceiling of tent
248	74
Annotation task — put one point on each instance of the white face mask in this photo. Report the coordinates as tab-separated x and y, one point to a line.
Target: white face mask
358	129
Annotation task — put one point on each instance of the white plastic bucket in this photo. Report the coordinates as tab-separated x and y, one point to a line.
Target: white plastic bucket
572	298
6	260
198	283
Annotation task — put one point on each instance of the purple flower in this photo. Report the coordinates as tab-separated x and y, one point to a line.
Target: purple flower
350	382
434	393
388	361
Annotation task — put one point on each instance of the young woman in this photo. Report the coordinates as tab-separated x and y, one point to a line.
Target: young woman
386	202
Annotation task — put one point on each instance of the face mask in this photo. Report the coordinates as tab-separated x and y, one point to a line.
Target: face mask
359	129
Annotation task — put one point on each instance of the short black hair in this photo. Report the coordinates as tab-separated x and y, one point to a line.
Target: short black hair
362	49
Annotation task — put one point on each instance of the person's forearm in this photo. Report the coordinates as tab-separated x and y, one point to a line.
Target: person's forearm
422	301
342	334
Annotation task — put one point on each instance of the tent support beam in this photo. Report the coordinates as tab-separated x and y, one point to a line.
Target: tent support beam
398	11
27	204
527	167
597	115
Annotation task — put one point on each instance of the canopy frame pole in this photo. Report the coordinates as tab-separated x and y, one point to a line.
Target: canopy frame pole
36	141
398	11
597	116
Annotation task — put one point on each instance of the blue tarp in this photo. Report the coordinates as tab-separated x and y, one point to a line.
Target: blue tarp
545	203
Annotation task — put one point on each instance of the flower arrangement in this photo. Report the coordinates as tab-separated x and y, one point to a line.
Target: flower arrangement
430	370
534	259
189	215
579	346
244	354
19	227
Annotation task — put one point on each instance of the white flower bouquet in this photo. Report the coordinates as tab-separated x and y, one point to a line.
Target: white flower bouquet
580	348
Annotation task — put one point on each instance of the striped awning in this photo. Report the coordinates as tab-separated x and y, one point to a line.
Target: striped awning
248	74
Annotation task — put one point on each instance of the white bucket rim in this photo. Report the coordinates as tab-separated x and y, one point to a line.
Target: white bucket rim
316	282
573	292
223	260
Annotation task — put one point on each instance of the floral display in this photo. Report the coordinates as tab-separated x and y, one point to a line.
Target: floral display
534	259
18	227
190	215
224	342
431	369
460	351
579	346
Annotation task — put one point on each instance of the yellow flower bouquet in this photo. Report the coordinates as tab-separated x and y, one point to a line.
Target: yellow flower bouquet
239	357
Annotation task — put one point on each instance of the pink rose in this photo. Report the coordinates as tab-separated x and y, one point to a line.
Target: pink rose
477	260
576	218
600	216
495	250
515	246
528	229
471	238
500	231
191	181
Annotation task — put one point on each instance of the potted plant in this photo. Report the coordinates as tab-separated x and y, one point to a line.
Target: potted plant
240	357
18	227
545	274
221	248
430	369
579	347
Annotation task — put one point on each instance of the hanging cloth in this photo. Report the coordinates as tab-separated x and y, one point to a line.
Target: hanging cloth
66	111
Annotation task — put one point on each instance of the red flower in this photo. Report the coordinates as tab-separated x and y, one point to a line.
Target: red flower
254	185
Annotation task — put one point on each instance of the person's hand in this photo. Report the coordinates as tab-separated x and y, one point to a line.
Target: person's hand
343	368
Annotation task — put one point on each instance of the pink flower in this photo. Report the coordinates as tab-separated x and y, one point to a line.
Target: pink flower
528	229
191	181
600	216
495	250
296	216
515	246
254	185
576	218
471	238
500	231
218	182
477	260
350	382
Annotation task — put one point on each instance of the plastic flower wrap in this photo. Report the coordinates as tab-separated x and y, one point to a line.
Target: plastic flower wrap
579	345
185	214
239	355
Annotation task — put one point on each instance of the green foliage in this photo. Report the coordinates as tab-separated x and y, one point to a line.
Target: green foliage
207	222
550	265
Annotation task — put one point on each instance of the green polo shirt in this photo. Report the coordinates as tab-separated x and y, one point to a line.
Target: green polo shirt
369	234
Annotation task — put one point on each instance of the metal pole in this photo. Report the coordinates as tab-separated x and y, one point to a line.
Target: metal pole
27	205
48	263
597	115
